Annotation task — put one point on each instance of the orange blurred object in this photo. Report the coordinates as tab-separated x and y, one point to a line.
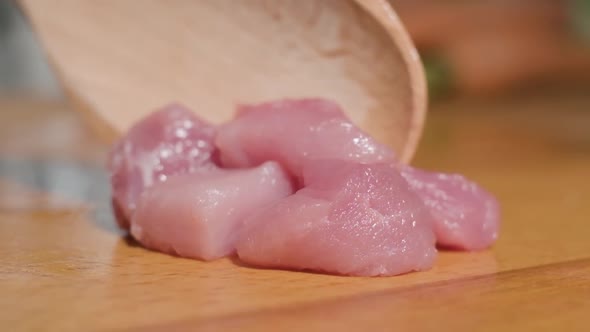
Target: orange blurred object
493	46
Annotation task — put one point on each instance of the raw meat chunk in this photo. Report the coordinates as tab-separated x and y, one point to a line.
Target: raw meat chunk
465	215
199	215
170	141
293	132
359	211
350	219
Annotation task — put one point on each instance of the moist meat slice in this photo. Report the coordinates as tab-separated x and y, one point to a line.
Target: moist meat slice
359	212
199	215
350	219
297	132
168	142
293	131
465	215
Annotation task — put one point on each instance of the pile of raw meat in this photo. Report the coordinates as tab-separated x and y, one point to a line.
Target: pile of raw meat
290	184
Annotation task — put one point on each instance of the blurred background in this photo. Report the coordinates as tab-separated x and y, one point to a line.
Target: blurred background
499	71
470	48
23	68
489	47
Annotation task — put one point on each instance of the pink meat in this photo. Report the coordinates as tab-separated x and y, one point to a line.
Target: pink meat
199	215
465	215
350	219
170	141
359	212
293	132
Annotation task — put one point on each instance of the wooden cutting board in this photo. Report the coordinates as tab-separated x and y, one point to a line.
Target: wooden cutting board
66	268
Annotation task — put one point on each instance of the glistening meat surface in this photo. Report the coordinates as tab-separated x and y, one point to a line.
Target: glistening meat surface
293	132
466	215
193	190
350	219
296	132
199	215
168	142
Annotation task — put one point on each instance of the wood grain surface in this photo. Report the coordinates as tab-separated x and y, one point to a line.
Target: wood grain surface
121	59
65	267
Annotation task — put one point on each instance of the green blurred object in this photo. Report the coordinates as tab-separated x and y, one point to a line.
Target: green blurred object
581	17
438	76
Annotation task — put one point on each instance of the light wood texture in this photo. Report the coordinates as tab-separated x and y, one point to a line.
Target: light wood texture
122	59
439	306
64	270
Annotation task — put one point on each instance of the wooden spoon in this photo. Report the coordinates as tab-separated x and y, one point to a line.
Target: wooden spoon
120	60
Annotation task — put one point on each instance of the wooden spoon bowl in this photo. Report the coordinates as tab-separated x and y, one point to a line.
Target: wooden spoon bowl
120	60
